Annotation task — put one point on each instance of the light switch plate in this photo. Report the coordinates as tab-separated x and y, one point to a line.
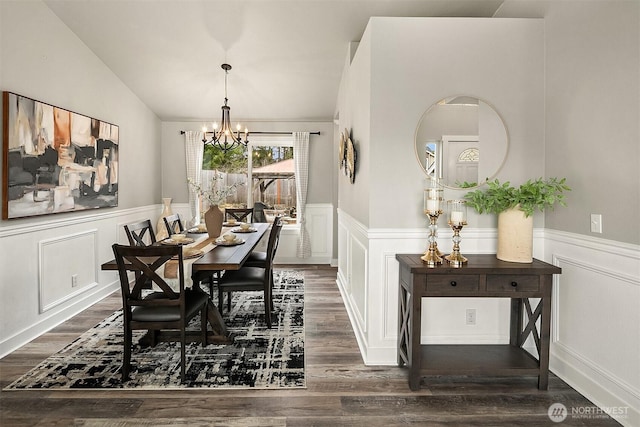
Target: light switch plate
596	223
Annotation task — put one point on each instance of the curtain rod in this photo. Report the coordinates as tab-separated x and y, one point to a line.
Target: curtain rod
182	132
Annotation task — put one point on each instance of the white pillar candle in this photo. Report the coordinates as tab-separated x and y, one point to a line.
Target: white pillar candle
457	217
433	205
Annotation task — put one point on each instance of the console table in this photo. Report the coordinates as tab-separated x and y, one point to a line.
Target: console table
482	276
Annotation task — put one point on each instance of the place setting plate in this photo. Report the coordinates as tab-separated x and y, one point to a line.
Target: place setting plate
248	230
221	242
188	253
180	242
196	230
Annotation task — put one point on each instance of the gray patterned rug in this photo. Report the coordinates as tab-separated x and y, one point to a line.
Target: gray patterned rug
258	357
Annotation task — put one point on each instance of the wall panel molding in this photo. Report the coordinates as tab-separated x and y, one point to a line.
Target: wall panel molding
595	323
46	296
60	276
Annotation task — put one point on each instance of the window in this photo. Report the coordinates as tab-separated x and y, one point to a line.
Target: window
266	168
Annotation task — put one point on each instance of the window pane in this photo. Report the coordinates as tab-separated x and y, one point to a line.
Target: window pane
230	167
273	175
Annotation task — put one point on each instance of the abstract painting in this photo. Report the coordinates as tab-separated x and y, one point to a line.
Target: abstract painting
55	160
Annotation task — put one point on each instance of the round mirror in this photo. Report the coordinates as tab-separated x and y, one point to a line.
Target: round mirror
462	141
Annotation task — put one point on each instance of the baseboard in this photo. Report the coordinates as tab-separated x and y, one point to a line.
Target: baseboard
45	324
360	338
618	400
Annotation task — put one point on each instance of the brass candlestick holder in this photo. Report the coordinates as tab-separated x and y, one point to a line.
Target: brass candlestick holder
433	209
457	219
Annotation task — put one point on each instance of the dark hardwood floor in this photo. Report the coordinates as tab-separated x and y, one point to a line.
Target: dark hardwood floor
341	390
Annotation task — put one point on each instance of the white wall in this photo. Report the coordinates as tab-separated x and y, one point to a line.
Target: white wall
42	59
592	106
500	61
497	60
354	119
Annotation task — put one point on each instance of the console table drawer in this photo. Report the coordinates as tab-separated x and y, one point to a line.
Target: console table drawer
506	283
463	282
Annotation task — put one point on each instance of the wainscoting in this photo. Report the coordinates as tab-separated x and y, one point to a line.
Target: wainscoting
595	325
595	337
51	268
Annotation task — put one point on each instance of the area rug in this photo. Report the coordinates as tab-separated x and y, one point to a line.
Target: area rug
258	357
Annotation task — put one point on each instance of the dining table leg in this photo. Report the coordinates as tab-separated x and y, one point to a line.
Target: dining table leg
216	321
219	333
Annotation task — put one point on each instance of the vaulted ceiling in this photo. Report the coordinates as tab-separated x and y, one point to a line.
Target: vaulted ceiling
287	56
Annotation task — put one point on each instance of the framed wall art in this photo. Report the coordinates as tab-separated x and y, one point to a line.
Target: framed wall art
55	160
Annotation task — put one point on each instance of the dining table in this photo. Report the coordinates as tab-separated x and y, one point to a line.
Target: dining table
217	257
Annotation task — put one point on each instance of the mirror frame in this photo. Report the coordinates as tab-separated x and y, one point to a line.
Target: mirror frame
418	154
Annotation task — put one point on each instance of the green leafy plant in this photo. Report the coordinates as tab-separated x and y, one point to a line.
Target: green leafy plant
530	196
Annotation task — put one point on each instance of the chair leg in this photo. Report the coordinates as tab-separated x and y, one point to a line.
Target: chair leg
229	301
271	292
126	359
267	306
220	300
183	357
203	324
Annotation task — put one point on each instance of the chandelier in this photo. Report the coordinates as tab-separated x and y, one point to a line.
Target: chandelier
225	138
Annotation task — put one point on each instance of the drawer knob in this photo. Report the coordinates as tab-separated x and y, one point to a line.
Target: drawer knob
514	284
453	283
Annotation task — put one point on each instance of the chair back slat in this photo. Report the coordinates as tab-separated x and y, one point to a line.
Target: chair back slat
136	233
274	239
258	212
144	261
173	223
238	214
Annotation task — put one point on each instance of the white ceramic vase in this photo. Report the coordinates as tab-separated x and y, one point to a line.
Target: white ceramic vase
213	219
161	229
515	236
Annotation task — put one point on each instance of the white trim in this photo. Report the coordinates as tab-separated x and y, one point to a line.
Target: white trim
611	267
45	324
49	223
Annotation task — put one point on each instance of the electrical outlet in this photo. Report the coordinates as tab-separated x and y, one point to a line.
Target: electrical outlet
471	316
74	280
596	223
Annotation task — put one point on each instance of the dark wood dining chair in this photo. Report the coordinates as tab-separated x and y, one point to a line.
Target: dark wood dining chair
162	310
239	214
260	258
173	223
253	278
258	212
136	233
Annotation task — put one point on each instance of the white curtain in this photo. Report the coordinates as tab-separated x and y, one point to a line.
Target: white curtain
301	159
194	151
